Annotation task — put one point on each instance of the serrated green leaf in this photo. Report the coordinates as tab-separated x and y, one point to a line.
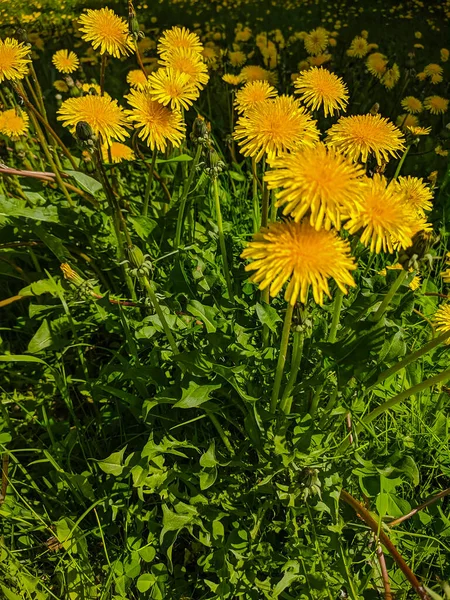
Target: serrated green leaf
267	315
206	314
86	182
195	395
113	464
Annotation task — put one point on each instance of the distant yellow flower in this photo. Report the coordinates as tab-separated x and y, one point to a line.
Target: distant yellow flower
252	93
440	151
13	59
275	126
254	73
317	61
419	46
418	35
419	131
436	105
316	41
360	135
444	54
421	76
383	218
297	253
320	88
171	88
434	73
157	124
60	85
181	60
178	37
318	182
446	274
405	121
415	193
104	115
232	79
93	89
237	58
65	61
358	47
106	31
14	123
117	152
137	79
442	319
412	105
390	77
376	64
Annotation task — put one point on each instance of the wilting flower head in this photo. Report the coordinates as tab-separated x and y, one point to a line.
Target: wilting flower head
157	124
178	37
297	253
376	64
358	48
252	93
383	217
137	79
317	181
232	79
65	61
13	59
416	132
415	193
360	135
171	88
101	113
117	152
182	60
275	126
13	123
316	41
436	105
412	105
106	31
318	87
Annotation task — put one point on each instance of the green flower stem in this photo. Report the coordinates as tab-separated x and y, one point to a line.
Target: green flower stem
102	74
223	248
415	389
37	87
273	208
154	300
148	186
265	206
297	353
412	357
315	400
186	189
223	436
401	161
336	315
281	358
391	293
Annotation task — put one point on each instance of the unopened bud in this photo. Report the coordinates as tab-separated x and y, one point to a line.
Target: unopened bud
136	257
84	131
71	275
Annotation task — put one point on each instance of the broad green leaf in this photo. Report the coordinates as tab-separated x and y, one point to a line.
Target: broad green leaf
22	358
113	464
43	338
10	595
147	553
145	582
143	226
5	437
208	478
236	176
195	395
206	314
267	315
173	521
17	208
209	458
174	159
86	182
37	288
70	536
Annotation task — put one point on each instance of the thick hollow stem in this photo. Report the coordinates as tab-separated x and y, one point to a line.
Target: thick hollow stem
401	161
281	358
391	293
297	353
336	316
223	248
186	189
148	187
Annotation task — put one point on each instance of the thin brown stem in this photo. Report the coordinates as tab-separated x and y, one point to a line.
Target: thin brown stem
384	572
414	511
4	488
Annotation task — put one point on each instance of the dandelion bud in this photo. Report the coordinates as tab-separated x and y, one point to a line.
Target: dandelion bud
84	131
22	35
136	257
71	276
200	131
375	108
421	243
214	165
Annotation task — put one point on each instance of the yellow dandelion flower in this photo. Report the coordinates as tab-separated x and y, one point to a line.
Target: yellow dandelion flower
384	218
252	93
318	87
93	89
360	135
405	121
415	193
419	46
317	61
232	79
442	319
179	37
13	59
181	60
421	76
171	88
433	69
415	283
60	85
358	47
275	126
317	181
440	151
419	131
316	41
376	64
14	123
117	152
299	253
436	105
157	124
390	77
237	58
254	73
446	274
65	61
104	115
412	105
137	79
106	31
444	54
